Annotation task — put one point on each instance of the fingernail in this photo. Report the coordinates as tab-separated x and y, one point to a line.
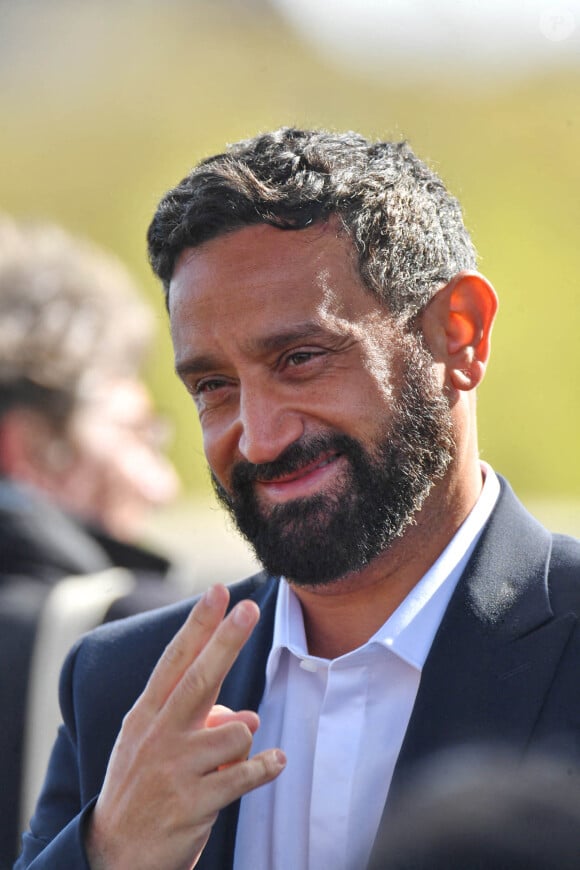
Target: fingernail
279	758
211	596
243	616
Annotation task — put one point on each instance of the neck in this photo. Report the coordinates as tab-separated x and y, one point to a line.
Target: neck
343	615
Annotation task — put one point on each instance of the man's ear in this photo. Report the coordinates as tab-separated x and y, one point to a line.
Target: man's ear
457	326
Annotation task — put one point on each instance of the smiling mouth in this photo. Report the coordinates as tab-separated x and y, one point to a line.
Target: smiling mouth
303	471
308	480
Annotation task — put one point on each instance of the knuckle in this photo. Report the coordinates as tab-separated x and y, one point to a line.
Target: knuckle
130	722
235	736
173	652
180	647
195	683
241	737
247	777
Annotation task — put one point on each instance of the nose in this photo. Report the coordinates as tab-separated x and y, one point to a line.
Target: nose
267	426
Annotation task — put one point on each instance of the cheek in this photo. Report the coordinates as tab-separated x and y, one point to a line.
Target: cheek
362	396
381	363
219	450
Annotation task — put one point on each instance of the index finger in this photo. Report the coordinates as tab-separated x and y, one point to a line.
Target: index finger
197	690
184	647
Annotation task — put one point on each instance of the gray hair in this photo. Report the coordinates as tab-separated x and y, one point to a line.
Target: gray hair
407	230
70	315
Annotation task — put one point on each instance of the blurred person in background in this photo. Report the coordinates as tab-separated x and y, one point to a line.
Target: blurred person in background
81	467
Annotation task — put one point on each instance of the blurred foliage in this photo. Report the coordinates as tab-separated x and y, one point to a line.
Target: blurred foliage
106	105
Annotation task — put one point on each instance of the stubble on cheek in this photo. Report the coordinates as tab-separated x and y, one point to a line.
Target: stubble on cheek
378	339
381	357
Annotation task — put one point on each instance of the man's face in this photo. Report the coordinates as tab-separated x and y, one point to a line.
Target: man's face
323	425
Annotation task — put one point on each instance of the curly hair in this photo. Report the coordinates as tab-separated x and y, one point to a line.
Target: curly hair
407	230
70	314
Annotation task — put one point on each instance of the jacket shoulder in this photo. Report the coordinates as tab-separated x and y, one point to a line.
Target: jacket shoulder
150	628
564	574
118	657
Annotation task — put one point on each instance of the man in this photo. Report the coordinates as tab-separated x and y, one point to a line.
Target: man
330	327
81	465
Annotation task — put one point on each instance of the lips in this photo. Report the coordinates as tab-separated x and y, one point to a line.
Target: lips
301	482
303	471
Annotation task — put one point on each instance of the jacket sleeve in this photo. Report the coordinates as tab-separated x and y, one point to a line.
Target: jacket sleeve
55	836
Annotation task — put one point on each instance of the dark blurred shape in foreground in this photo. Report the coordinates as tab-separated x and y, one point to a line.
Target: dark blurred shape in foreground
483	810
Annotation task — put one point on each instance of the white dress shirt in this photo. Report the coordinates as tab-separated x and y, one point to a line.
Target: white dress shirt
342	722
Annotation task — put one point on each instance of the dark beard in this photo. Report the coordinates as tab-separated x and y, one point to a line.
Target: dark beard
316	540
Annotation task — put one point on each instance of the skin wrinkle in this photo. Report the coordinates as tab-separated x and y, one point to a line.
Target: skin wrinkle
371	333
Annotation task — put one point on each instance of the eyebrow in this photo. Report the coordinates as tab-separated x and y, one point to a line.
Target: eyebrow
200	363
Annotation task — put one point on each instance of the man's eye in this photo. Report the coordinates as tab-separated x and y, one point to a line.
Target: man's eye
300	357
207	385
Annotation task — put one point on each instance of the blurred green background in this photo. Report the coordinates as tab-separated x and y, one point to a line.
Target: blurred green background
104	105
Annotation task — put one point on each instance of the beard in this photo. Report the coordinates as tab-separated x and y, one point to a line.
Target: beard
320	539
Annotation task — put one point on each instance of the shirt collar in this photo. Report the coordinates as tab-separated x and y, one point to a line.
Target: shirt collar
409	631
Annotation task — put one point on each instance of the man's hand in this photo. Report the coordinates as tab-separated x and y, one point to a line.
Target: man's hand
178	759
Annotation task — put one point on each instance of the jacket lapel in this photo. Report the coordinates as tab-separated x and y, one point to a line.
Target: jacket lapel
494	657
242	690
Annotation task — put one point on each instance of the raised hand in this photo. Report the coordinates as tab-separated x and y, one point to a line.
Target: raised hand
178	759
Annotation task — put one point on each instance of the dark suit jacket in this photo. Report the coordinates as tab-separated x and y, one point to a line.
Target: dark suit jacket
505	664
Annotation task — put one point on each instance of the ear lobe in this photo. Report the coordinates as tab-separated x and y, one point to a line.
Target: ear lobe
457	326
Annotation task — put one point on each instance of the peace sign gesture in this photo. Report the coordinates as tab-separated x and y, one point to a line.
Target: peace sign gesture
179	759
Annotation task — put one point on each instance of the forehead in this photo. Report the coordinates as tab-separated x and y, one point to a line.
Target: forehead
260	279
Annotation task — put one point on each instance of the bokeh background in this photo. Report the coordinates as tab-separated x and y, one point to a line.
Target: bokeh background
104	104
